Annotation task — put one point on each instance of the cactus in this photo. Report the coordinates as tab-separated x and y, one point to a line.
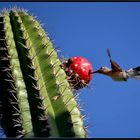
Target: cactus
35	95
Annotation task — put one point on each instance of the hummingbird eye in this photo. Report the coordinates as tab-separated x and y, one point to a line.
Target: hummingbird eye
102	67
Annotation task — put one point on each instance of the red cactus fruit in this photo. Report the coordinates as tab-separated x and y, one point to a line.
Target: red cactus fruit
79	71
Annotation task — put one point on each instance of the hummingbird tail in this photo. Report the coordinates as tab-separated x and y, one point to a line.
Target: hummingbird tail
134	73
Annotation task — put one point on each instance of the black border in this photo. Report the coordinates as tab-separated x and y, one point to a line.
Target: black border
41	138
69	0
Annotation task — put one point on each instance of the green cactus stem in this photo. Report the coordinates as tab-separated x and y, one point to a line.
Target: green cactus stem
36	98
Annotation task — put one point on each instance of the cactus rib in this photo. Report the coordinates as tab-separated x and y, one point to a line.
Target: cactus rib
33	94
11	102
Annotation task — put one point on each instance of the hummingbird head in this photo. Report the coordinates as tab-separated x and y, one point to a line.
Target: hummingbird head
102	70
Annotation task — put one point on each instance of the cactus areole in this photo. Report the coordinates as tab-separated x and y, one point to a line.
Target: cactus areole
79	71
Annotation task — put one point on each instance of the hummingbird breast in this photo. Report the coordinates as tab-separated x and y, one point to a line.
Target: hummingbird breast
118	76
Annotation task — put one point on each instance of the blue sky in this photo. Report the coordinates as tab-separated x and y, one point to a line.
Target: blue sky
87	29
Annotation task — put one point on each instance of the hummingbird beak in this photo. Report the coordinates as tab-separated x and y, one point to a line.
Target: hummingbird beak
96	71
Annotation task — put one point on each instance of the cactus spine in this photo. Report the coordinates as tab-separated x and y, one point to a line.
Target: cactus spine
36	98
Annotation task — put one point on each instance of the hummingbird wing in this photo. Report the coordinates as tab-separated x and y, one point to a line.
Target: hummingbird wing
115	67
134	73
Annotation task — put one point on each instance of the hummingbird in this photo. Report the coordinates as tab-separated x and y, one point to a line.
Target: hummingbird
117	73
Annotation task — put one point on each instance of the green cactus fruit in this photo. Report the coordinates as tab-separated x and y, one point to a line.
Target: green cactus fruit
36	98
